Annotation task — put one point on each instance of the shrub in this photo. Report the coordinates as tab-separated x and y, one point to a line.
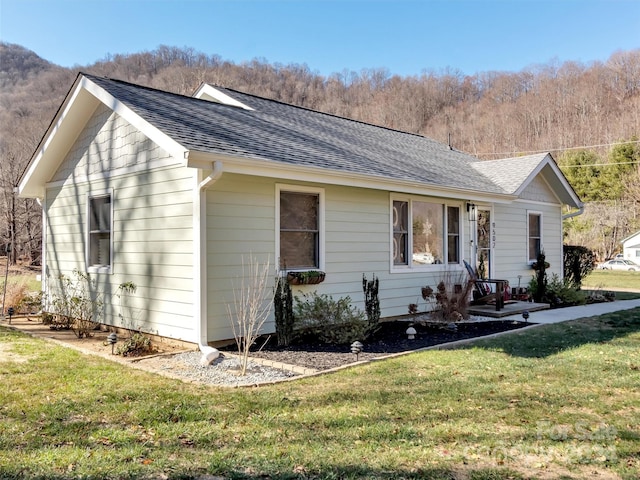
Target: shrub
16	295
371	300
540	266
330	321
450	301
135	346
283	311
579	262
77	304
559	292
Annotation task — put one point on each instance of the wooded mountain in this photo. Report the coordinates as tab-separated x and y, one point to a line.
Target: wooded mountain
565	108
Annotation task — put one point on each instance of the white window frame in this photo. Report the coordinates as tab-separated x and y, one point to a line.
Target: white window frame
445	233
530	261
321	223
99	268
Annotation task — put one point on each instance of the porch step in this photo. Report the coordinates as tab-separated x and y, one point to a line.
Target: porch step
512	308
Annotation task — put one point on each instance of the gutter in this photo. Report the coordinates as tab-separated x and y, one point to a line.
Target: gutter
580	211
209	354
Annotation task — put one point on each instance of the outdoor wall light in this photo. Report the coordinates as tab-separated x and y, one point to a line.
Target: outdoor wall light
471	210
356	348
112	339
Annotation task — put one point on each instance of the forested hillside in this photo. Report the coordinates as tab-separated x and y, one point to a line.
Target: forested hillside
581	113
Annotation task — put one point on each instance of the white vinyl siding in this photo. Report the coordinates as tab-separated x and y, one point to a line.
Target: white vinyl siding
152	230
512	242
242	212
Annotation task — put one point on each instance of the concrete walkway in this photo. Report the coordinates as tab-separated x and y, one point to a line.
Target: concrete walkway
572	313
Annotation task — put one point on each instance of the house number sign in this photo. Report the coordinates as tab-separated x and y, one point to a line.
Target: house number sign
493	235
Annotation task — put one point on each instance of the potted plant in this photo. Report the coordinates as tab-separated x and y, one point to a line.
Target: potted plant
309	277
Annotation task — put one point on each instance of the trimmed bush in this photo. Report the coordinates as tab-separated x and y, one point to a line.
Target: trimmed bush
330	321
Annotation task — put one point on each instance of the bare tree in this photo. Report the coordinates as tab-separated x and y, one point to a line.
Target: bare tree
252	301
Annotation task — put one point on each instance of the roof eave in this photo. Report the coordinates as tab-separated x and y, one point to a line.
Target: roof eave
264	167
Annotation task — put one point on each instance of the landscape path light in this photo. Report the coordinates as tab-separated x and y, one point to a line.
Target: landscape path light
10	312
411	333
112	339
356	348
525	315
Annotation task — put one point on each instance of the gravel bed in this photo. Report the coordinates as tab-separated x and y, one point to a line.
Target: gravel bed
224	371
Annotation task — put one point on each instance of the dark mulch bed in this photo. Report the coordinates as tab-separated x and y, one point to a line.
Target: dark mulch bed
390	338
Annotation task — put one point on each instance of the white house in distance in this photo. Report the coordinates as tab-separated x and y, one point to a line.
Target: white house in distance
631	248
173	193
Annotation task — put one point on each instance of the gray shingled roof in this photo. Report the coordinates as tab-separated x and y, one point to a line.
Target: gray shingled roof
278	132
509	173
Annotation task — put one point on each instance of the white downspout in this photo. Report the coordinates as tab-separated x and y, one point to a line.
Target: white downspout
209	354
580	211
43	254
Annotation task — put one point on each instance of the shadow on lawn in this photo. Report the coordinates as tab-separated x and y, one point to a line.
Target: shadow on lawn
364	472
349	472
548	340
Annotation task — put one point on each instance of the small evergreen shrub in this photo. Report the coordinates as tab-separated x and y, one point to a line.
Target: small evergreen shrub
330	321
283	312
540	279
371	300
558	292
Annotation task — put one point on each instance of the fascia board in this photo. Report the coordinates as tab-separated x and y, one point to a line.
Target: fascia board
60	134
273	169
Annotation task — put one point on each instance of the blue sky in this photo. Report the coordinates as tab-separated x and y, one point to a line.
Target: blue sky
406	37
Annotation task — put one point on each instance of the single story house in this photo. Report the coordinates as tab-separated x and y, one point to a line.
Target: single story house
173	192
631	247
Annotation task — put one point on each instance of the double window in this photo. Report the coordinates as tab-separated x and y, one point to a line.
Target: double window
100	232
425	233
300	219
534	235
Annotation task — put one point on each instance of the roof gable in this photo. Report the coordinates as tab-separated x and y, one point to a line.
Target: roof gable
515	174
76	110
210	93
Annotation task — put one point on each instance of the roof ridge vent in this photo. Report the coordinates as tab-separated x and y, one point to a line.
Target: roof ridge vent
211	94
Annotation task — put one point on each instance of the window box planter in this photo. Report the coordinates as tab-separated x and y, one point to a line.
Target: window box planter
311	277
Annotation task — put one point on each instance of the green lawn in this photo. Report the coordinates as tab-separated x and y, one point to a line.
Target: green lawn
558	401
612	280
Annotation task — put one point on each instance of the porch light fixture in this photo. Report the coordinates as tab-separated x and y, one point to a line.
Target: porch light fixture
471	211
